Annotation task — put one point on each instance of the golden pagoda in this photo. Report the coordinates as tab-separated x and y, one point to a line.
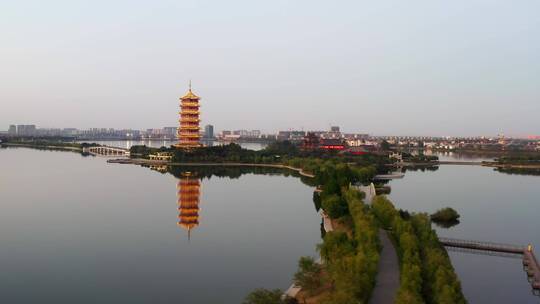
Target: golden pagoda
189	190
188	132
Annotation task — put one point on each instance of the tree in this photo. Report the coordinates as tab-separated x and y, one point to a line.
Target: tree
335	245
264	296
308	275
335	206
445	215
385	146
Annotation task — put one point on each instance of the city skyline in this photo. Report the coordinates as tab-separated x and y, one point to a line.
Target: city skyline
13	129
434	70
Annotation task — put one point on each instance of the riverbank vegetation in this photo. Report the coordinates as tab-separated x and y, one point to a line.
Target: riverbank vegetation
265	296
520	159
419	158
309	275
427	275
282	152
440	282
350	252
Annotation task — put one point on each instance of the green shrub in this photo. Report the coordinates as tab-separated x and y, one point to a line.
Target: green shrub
334	206
309	274
445	215
264	296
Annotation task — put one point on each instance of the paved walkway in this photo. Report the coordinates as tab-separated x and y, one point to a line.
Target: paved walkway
388	276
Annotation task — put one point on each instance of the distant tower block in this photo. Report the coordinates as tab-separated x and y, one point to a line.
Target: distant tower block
189	191
188	133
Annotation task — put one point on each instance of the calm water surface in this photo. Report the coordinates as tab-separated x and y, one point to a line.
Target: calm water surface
78	230
494	207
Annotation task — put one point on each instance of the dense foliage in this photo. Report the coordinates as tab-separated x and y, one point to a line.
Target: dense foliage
282	152
441	284
351	260
447	215
265	296
309	275
522	158
419	158
427	275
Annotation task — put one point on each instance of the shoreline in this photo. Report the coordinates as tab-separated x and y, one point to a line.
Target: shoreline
140	161
465	163
64	148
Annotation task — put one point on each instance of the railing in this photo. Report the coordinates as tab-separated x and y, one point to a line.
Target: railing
512	255
532	267
105	150
488	246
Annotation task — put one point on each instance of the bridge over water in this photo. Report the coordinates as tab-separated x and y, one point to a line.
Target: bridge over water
107	151
530	262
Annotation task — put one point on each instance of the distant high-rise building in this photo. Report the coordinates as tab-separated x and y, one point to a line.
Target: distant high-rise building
12	130
209	131
334	129
188	133
170	131
26	130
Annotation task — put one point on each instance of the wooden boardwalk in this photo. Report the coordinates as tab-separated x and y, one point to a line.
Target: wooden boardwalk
530	262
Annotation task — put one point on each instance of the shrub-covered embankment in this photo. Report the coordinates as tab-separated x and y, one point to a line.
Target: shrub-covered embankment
427	275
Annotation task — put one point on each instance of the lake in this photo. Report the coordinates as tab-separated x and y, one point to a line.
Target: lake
494	207
78	230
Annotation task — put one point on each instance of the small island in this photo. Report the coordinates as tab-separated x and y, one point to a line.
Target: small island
446	217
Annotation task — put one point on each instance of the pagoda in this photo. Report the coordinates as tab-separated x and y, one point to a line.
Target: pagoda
188	132
189	190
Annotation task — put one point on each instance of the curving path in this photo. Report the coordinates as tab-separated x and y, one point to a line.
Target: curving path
388	276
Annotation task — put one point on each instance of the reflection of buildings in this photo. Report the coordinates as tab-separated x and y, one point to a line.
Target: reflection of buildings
189	191
159	168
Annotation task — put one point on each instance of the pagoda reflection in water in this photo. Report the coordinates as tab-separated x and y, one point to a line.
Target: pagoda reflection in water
189	191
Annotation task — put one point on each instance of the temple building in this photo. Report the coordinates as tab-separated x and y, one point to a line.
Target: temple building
189	191
188	132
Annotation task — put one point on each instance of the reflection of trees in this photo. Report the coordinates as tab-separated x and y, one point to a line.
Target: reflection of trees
234	172
519	171
189	185
420	168
447	224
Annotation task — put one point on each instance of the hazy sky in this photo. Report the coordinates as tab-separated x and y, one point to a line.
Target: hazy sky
463	67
